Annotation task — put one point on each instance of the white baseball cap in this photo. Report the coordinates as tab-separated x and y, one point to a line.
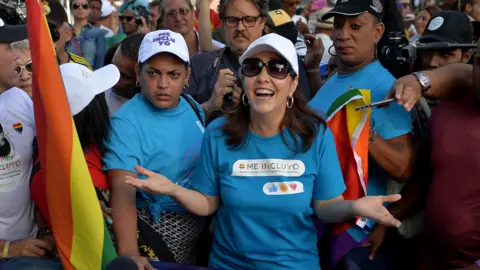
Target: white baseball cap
163	41
107	8
82	84
276	44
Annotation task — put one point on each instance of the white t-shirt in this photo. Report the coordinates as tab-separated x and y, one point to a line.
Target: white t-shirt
106	31
17	219
114	101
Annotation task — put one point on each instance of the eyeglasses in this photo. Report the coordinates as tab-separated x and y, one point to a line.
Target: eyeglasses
27	67
276	68
248	21
127	18
182	12
77	6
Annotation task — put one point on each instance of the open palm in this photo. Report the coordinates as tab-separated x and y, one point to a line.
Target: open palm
371	207
155	183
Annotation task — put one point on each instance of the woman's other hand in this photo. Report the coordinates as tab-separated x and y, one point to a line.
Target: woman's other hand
371	207
155	183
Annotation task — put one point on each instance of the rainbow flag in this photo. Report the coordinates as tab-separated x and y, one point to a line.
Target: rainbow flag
351	131
82	238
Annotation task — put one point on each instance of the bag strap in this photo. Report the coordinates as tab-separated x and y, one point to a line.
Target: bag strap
194	107
75	42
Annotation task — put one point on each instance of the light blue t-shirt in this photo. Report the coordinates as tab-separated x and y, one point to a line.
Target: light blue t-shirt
389	123
265	217
164	141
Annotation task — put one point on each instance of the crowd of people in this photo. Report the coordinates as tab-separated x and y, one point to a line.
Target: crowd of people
204	127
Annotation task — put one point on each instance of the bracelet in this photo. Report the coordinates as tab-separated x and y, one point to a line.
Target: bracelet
313	70
5	249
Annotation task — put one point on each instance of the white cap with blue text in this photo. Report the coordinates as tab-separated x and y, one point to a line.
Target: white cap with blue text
276	44
82	84
163	41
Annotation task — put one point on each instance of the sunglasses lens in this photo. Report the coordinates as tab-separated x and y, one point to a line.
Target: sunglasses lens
85	6
251	67
29	67
75	6
277	68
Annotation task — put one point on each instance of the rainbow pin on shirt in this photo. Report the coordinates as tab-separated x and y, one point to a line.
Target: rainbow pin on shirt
18	127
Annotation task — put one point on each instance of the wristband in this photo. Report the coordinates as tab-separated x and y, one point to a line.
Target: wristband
313	70
5	249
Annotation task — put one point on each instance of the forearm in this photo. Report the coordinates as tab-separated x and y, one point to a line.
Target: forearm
194	201
314	81
335	211
204	31
396	161
207	110
450	80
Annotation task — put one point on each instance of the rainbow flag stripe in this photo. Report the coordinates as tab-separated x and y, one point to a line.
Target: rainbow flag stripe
80	231
351	130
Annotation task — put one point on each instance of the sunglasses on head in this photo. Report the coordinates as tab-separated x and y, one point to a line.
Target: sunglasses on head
276	68
127	18
27	67
83	5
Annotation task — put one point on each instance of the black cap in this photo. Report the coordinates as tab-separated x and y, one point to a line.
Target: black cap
12	33
281	23
448	26
55	12
355	8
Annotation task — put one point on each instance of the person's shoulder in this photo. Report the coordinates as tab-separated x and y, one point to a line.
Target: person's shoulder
95	30
204	58
79	60
16	98
130	111
215	127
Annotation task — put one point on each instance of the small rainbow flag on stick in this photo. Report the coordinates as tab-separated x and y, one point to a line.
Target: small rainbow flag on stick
80	232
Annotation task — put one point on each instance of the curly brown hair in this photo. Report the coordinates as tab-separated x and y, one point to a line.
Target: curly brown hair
261	4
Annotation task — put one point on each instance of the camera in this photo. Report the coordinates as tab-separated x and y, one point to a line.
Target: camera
142	12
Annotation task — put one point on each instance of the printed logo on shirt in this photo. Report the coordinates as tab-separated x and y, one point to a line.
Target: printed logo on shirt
283	188
18	127
10	164
268	167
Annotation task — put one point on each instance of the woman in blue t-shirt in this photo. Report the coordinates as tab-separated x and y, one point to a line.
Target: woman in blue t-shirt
162	130
267	168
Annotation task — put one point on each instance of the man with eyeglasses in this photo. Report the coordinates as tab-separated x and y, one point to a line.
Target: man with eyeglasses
214	80
61	32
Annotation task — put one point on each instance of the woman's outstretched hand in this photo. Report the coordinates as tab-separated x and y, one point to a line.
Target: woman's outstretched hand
371	207
155	183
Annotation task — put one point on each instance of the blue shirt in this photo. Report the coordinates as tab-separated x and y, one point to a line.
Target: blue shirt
265	217
90	45
164	141
389	123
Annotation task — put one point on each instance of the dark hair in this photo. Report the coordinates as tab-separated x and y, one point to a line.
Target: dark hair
155	3
462	5
130	46
393	21
432	9
100	1
299	120
107	59
93	123
299	11
261	4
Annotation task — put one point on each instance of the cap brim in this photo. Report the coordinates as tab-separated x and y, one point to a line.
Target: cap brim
343	10
12	33
150	55
435	38
104	78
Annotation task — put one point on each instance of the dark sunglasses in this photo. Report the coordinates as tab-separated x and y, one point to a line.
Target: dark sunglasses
127	18
27	67
77	6
276	68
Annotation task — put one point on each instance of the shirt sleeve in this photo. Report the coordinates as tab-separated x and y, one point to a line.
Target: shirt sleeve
329	183
392	122
205	178
122	148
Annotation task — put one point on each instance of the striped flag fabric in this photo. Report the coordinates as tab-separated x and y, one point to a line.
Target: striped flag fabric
351	132
78	226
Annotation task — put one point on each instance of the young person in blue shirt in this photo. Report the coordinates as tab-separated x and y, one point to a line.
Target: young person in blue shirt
358	27
267	167
162	130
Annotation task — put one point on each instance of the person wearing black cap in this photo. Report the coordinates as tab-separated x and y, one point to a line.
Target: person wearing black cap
61	32
446	26
357	29
8	58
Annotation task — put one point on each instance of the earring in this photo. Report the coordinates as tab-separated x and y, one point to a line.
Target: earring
137	84
290	101
245	100
329	52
